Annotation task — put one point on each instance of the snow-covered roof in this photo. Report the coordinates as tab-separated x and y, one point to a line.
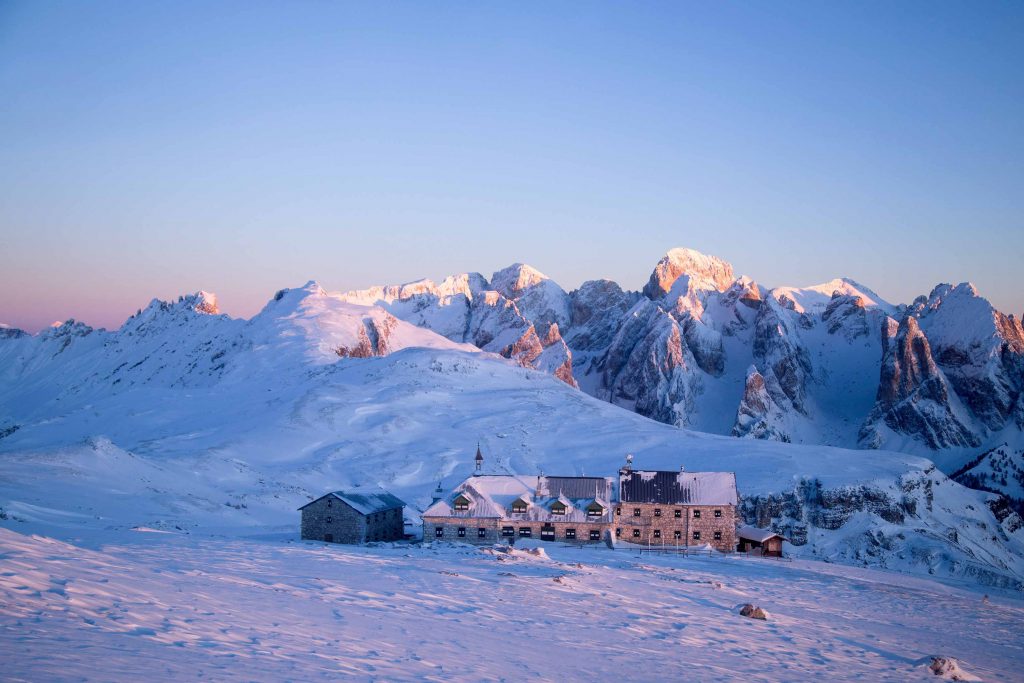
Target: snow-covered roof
493	495
753	533
677	487
365	500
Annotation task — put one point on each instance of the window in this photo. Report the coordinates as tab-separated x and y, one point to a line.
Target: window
519	506
570	533
696	535
718	513
438	532
657	533
508	531
558	509
595	511
696	514
618	533
461	504
678	513
618	511
481	533
677	534
328	520
636	533
329	501
595	534
636	512
718	535
524	532
547	533
462	532
657	512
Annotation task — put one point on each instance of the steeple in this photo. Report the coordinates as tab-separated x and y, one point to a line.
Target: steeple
479	457
438	494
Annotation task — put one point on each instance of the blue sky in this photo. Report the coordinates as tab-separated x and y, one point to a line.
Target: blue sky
152	149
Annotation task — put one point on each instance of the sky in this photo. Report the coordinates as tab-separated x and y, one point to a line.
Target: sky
154	149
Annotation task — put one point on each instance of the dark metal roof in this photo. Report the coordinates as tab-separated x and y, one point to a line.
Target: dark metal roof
576	487
677	488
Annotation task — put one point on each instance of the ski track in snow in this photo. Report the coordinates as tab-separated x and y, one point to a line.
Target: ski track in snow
124	605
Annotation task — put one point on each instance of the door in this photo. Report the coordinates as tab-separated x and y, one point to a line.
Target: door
329	538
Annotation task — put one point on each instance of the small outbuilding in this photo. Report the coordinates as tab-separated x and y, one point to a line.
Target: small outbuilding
355	515
752	538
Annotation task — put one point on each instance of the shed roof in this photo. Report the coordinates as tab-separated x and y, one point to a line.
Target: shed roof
677	487
753	533
364	500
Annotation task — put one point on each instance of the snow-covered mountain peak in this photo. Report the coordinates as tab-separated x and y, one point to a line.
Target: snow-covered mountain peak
816	298
513	280
704	272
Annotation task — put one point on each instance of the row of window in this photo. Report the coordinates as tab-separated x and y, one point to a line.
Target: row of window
677	534
677	513
547	534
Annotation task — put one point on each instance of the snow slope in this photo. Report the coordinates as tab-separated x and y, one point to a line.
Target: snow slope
125	606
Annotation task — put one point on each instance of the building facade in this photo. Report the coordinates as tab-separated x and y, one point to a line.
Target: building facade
486	509
679	508
682	509
357	515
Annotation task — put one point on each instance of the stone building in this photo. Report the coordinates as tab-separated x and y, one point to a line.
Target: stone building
357	515
486	509
677	508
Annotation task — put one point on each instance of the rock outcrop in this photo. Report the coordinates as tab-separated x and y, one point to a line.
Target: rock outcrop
914	398
758	416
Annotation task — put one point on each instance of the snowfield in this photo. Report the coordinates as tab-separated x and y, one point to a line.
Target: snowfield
128	605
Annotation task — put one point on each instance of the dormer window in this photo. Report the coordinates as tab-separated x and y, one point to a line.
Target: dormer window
519	506
558	508
595	510
461	504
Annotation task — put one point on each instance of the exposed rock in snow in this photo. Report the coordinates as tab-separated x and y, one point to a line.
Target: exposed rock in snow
777	348
8	332
752	612
914	398
758	417
539	299
948	668
999	470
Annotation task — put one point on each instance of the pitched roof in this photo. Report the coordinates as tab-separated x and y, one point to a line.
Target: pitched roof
753	533
493	495
364	500
677	488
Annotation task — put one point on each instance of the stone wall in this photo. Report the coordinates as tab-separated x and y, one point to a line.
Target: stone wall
495	530
333	520
657	524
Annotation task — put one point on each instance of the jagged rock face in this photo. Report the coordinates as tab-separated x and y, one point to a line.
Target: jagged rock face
913	396
598	307
706	272
979	350
649	368
777	348
7	332
758	417
538	298
847	313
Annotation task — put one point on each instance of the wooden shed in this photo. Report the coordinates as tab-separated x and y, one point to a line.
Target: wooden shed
760	541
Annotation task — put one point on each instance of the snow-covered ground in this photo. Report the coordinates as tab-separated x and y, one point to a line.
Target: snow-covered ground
127	605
